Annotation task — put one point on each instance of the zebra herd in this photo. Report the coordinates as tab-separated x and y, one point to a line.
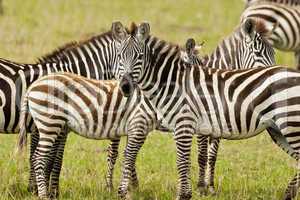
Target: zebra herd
236	92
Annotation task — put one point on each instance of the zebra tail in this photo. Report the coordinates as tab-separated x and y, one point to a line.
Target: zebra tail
22	142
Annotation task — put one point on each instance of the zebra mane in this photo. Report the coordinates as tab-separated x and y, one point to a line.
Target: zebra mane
261	28
132	29
58	52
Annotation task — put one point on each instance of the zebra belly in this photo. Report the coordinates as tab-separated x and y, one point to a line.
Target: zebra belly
100	131
233	133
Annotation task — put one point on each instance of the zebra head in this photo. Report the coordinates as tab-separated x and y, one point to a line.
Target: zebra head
255	50
190	55
131	54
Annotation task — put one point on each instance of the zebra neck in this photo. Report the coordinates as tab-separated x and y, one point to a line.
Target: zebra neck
164	74
227	54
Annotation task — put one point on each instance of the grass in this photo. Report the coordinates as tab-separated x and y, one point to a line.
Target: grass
248	169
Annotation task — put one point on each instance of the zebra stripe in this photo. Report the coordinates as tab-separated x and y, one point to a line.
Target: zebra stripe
96	54
284	19
285	2
60	103
15	78
228	54
231	104
246	47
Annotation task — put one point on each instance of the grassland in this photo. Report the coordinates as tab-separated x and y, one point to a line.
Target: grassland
246	170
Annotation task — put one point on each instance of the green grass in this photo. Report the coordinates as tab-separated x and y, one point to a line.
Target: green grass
248	169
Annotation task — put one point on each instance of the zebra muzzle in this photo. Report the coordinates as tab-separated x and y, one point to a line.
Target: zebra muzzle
127	86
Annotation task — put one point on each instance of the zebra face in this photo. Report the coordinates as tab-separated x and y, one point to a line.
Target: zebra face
130	56
257	51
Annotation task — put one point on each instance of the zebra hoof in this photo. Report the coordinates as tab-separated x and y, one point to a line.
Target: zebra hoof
123	194
211	190
185	196
44	198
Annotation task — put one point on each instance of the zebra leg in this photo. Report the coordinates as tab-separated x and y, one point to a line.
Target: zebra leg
58	160
284	138
202	142
134	143
297	58
134	178
183	138
293	187
134	182
32	186
50	163
212	158
40	159
111	161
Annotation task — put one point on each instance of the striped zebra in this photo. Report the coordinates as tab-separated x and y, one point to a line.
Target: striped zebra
94	52
92	58
246	47
64	102
286	20
230	104
251	32
102	113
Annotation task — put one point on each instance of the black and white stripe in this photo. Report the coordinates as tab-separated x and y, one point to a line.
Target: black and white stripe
283	20
230	104
246	44
245	48
93	58
60	103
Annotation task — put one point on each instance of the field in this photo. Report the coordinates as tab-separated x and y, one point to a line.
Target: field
246	170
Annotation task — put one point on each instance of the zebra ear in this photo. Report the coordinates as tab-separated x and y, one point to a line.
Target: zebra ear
249	27
190	46
118	31
143	31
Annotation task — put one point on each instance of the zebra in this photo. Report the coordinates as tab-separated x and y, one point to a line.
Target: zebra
105	115
283	18
248	41
230	104
224	55
16	78
64	102
93	62
92	58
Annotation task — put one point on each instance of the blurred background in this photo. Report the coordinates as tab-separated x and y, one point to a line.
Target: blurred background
248	169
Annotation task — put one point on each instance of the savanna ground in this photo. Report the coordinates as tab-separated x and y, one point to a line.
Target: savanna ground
248	169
